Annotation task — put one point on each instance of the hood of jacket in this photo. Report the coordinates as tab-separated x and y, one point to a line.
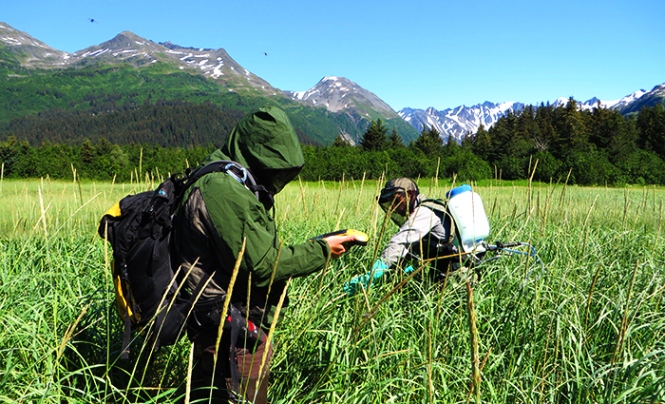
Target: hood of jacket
266	143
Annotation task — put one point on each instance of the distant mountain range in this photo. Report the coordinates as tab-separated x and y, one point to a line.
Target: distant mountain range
459	121
134	69
349	108
132	49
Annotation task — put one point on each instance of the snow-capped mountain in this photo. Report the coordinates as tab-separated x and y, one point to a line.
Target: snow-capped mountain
30	51
625	101
629	105
340	94
459	121
128	47
595	102
336	94
215	64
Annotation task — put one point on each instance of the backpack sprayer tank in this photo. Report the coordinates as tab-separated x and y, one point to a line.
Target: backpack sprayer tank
467	209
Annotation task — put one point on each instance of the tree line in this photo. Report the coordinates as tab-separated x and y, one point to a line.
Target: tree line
545	143
101	160
163	123
598	146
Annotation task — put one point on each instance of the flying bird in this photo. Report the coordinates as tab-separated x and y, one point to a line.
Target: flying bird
92	20
265	53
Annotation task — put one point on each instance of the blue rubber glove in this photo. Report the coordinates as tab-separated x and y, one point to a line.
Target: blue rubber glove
409	269
379	265
366	280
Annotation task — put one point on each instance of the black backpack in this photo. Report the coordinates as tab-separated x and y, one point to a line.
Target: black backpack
138	228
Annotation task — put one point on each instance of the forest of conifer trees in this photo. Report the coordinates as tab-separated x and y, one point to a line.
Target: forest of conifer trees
544	143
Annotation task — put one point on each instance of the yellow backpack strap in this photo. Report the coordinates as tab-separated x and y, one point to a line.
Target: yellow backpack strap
122	302
114	210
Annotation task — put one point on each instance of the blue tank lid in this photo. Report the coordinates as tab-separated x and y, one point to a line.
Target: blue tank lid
458	190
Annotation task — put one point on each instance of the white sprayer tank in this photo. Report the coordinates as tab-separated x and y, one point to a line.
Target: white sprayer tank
467	209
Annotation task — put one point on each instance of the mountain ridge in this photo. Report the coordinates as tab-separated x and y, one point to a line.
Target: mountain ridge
109	61
338	95
457	122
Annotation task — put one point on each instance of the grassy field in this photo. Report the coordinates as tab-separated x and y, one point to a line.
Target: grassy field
584	324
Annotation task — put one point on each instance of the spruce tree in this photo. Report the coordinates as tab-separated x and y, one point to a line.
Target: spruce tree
573	133
481	143
429	142
395	141
651	125
374	138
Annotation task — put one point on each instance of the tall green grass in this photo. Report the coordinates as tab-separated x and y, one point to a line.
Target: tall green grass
587	325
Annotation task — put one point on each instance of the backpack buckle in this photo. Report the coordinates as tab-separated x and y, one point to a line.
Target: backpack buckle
240	173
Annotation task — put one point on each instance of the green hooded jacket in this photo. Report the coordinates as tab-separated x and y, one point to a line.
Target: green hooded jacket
219	212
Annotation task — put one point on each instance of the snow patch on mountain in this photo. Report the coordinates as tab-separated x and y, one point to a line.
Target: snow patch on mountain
341	94
31	52
460	121
335	93
594	102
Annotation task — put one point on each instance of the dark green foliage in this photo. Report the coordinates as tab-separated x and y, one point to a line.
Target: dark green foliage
117	136
643	167
481	143
429	142
101	160
573	133
597	147
340	141
651	124
593	167
548	169
466	166
116	99
375	138
395	141
166	123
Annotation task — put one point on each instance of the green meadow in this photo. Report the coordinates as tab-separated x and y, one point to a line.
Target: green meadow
580	322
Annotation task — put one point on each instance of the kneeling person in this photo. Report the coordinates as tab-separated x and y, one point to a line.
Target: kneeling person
425	233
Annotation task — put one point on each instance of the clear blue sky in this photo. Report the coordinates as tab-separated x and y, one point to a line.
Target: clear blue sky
416	53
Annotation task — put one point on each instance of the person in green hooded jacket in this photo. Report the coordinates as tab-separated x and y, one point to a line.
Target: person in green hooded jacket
220	212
